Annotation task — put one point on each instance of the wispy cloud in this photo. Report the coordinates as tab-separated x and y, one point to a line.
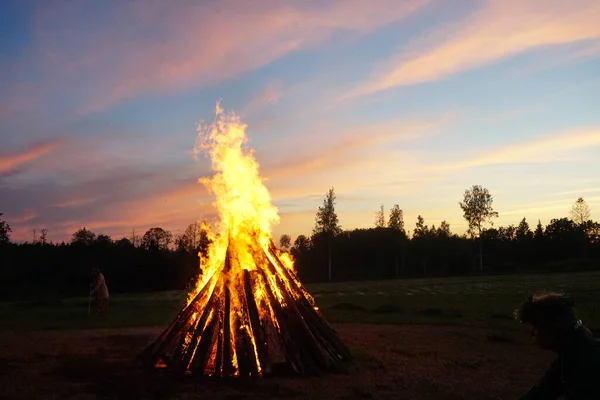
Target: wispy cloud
198	43
363	163
9	162
349	149
500	28
75	202
578	192
270	94
558	147
557	208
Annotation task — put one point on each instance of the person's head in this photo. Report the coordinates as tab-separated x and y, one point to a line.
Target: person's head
552	316
95	271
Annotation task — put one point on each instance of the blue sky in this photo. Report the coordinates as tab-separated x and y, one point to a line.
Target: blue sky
389	102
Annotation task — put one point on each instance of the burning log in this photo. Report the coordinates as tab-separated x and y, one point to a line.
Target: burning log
236	334
248	315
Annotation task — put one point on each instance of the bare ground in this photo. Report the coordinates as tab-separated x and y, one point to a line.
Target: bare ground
392	362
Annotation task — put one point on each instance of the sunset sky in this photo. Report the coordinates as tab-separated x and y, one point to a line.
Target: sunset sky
391	102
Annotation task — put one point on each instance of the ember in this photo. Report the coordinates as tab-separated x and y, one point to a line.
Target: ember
248	315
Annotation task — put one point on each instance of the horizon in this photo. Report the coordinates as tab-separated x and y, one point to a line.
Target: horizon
390	103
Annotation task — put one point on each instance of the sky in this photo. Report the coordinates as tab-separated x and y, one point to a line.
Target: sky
390	102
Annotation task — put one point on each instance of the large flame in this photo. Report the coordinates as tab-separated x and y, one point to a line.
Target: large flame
243	202
248	311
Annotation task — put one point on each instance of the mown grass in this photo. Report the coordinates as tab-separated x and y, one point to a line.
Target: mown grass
478	301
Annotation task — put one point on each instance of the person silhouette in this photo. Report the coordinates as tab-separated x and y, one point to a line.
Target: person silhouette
100	292
575	373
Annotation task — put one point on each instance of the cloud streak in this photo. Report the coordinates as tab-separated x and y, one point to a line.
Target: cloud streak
9	162
153	47
556	148
500	28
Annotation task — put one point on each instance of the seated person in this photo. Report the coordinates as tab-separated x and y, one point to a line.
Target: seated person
575	374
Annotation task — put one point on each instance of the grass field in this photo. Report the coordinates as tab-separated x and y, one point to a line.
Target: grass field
472	301
437	339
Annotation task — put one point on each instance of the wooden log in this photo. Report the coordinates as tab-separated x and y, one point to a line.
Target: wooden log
155	349
181	347
208	339
316	318
329	342
257	329
220	336
228	368
320	347
311	330
219	356
328	338
181	363
292	351
324	359
303	332
244	347
255	370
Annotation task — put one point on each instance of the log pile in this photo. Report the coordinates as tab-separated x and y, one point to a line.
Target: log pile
249	322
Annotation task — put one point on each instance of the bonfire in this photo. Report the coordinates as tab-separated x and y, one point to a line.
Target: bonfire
248	314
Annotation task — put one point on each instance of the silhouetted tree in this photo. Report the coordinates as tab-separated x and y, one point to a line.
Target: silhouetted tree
327	226
326	220
380	218
478	210
421	230
4	231
421	239
104	240
156	239
592	230
135	239
124	243
300	251
285	241
567	239
44	236
444	230
301	245
580	212
539	231
396	219
396	224
507	233
83	236
523	232
193	239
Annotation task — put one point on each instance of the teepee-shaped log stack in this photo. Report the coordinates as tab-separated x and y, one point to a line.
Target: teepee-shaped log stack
249	321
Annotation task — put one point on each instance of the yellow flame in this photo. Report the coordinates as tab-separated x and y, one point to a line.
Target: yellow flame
246	216
242	201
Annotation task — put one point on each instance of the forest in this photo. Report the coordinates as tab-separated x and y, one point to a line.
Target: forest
158	261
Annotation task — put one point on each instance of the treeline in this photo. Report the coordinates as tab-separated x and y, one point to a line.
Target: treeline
389	250
158	261
153	262
382	253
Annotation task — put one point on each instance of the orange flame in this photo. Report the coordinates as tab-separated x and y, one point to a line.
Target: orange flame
243	202
248	303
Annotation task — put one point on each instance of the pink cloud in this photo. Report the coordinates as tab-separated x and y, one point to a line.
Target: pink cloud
150	46
79	201
500	28
270	94
559	147
11	161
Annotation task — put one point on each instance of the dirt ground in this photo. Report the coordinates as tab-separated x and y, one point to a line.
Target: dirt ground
392	362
